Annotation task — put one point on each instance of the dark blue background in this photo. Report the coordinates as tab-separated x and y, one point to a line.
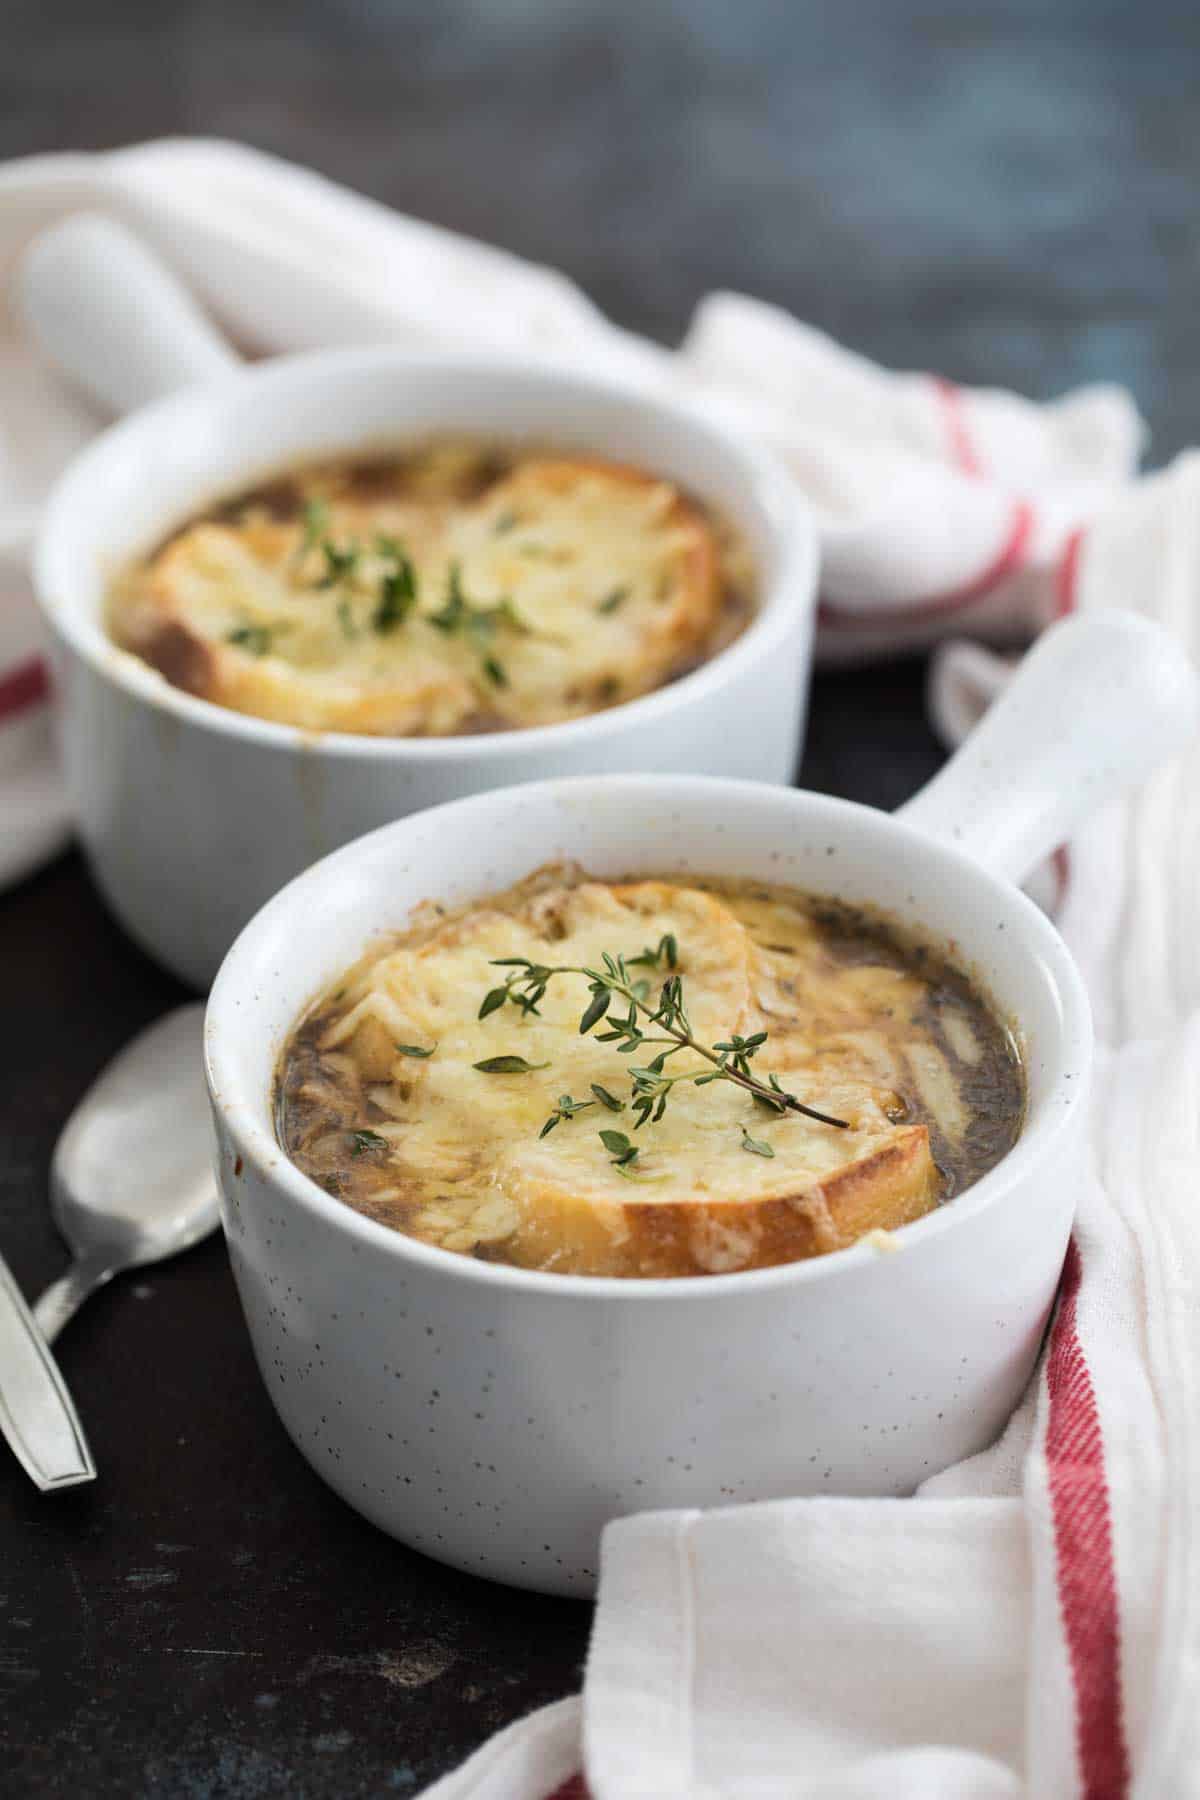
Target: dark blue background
1007	192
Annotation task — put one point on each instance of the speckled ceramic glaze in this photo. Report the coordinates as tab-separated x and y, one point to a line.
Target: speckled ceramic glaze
192	815
498	1418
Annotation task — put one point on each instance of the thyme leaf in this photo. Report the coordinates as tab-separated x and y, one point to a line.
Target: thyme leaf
566	1109
367	1140
314	525
255	639
665	955
507	1065
756	1146
622	1152
477	625
398	588
340	562
597	1006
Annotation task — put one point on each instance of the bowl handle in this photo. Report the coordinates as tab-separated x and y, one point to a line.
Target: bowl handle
104	309
1094	707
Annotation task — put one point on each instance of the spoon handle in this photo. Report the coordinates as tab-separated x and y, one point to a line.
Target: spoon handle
37	1415
60	1302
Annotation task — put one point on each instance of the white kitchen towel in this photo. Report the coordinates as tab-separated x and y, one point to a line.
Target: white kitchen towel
1029	1623
936	504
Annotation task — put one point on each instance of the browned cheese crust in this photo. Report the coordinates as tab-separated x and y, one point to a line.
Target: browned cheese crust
579	584
456	1156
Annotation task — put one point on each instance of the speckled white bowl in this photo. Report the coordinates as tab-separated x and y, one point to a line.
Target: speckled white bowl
497	1418
192	815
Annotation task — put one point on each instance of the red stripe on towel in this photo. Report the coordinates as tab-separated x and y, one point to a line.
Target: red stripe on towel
1061	863
573	1788
1002	566
954	416
1066	580
25	686
1087	1587
1066	598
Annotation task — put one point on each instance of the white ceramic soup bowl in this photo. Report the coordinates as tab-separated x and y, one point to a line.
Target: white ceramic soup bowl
498	1418
192	815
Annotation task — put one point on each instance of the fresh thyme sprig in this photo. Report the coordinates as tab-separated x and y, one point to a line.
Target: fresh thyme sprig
343	568
398	589
651	1084
567	1108
459	616
314	524
341	561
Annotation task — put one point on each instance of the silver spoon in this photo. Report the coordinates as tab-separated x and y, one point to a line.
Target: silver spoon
131	1181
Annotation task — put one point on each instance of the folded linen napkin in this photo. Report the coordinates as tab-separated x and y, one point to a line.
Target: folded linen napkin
935	503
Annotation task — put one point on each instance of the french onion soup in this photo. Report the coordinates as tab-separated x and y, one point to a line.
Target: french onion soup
652	1077
457	586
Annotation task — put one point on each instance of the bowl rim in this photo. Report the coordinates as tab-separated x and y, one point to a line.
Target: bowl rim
1067	1090
790	594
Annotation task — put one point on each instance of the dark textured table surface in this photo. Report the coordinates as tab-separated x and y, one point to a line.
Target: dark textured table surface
1005	192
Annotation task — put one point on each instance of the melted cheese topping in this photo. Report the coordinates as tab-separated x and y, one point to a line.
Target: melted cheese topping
585	584
453	1154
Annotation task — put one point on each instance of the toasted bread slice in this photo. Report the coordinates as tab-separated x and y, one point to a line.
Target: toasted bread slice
886	1180
465	1165
604	583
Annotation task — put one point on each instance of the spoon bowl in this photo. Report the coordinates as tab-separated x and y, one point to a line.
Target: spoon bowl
131	1181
